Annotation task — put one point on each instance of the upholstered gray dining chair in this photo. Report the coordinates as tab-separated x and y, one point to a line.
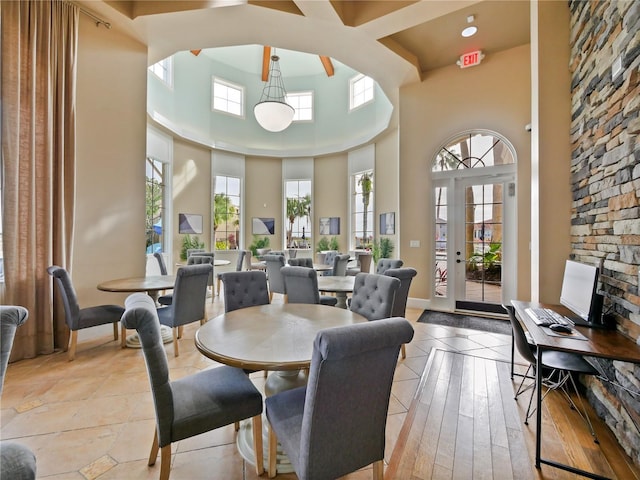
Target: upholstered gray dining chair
166	298
405	275
202	258
17	461
327	434
373	295
193	251
301	262
340	263
301	285
239	265
386	263
329	257
189	297
78	318
276	282
193	404
244	289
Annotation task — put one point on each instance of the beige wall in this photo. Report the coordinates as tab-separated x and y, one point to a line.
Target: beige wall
493	96
263	196
330	195
191	190
111	143
386	185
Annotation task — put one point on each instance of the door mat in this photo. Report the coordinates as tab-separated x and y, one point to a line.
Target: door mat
493	325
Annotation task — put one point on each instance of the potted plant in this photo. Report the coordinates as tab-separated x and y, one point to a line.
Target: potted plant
333	244
189	242
258	243
382	248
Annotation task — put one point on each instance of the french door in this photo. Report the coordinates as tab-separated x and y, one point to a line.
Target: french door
474	248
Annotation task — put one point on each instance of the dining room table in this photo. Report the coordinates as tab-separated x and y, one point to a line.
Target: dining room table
339	285
152	285
274	337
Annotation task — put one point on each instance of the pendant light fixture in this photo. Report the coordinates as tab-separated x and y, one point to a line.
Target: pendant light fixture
272	112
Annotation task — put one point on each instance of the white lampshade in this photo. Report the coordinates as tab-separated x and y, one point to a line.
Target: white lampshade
273	116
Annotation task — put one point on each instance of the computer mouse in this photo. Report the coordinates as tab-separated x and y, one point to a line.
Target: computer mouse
558	327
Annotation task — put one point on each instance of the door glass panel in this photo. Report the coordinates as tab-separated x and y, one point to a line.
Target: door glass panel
440	274
483	243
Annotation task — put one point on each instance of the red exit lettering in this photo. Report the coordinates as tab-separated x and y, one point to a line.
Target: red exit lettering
470	59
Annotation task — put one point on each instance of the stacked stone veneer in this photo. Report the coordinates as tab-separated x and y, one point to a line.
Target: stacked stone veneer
605	175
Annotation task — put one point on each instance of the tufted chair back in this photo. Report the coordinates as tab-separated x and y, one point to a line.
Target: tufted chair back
203	258
405	275
373	295
301	262
244	289
340	263
276	282
386	263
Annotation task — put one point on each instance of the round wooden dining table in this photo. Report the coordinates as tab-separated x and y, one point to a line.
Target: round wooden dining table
274	337
338	285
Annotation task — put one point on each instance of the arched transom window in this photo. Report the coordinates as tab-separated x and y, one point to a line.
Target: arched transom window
474	149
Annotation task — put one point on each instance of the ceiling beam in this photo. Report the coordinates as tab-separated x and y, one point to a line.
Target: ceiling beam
266	61
328	66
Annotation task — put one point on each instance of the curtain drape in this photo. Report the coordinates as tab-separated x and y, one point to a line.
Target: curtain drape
37	93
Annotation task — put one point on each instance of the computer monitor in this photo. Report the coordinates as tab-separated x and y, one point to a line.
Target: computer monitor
579	292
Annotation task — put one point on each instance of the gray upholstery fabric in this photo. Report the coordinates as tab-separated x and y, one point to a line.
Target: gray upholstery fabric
244	289
385	264
301	285
189	296
329	256
373	295
193	404
200	259
78	318
161	264
340	262
17	461
191	251
301	262
11	317
336	424
405	275
274	264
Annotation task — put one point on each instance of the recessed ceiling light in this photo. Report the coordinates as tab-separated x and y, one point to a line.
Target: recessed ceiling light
469	31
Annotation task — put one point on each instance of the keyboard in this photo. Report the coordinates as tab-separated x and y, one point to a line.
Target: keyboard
545	317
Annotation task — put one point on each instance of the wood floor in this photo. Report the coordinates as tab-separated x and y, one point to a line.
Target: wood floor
464	423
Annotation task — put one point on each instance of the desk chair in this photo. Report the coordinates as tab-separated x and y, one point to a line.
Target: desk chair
558	369
78	318
193	404
189	297
17	461
239	263
327	434
405	275
301	285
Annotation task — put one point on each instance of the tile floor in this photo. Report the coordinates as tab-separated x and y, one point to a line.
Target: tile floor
93	418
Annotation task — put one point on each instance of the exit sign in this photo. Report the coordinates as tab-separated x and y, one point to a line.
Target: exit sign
470	59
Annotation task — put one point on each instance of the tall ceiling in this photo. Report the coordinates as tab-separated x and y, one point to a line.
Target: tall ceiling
394	41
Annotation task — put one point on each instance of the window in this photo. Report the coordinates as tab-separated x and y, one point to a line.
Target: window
156	173
474	149
362	209
226	212
360	91
298	213
227	97
164	70
302	102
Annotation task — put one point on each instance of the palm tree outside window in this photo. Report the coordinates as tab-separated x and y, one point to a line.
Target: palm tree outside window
362	210
298	213
226	213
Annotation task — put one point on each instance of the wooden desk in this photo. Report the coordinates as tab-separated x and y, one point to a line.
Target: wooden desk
601	343
277	337
338	285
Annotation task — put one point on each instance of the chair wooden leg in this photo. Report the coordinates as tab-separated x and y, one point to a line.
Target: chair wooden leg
257	444
115	331
236	426
218	286
271	454
378	470
270	297
180	328
404	351
154	450
73	341
123	336
165	462
176	350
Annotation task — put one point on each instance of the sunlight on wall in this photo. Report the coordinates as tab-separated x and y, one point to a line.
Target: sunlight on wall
183	177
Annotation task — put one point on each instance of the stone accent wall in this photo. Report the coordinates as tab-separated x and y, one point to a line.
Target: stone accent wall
605	173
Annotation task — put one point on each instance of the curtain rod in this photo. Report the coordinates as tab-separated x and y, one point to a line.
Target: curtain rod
97	19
